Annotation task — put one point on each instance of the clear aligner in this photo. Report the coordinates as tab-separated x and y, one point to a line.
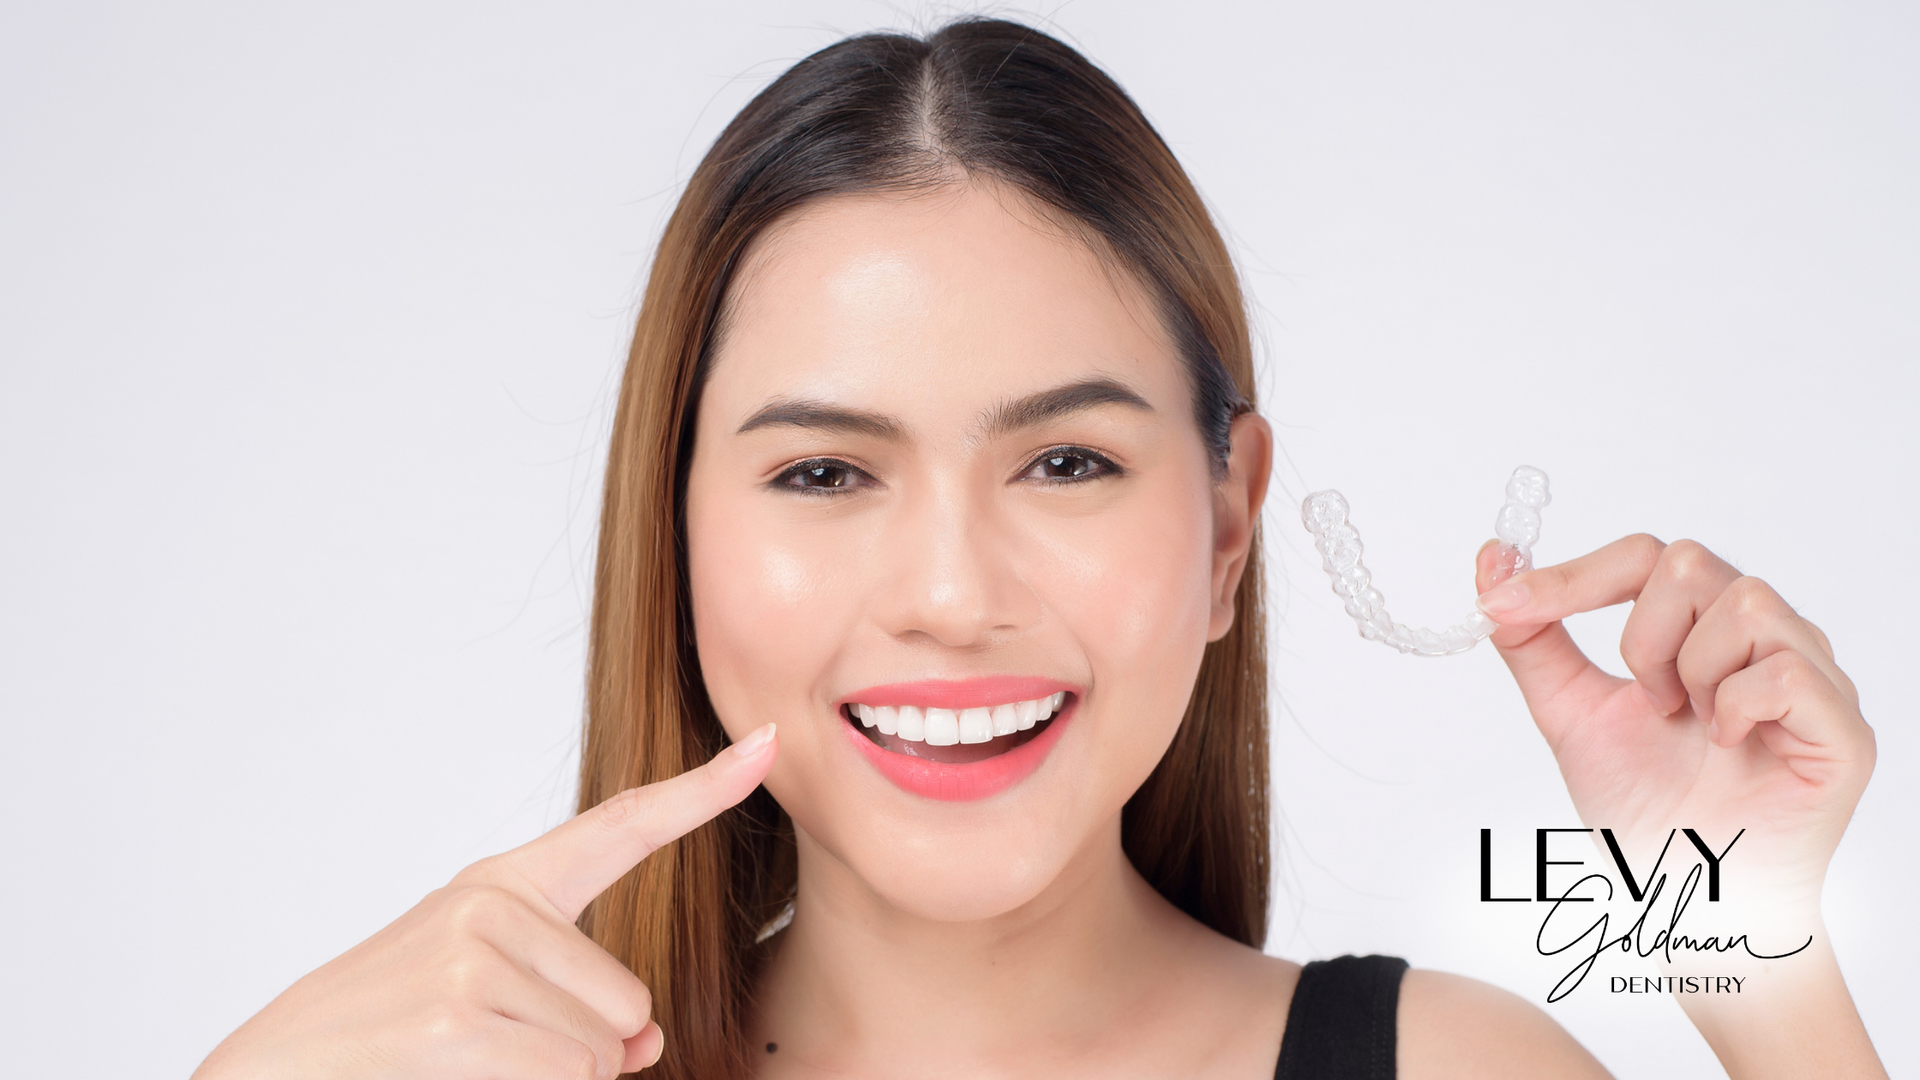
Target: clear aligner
1517	525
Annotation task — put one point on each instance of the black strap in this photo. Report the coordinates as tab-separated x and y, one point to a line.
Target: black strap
1341	1023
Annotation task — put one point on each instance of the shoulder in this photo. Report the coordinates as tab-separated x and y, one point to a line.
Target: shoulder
1452	1026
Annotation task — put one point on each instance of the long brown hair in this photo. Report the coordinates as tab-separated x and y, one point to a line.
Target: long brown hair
888	112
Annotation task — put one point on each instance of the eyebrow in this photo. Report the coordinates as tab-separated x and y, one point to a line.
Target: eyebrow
1030	411
1036	409
824	417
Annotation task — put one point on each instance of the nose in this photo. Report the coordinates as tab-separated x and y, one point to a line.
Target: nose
951	573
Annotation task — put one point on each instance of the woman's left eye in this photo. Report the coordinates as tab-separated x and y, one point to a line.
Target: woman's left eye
1069	463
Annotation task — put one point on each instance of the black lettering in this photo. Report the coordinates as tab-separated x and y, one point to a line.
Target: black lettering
1626	872
1542	862
1486	872
1713	861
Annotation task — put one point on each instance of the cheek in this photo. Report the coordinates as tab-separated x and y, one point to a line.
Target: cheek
1132	589
770	606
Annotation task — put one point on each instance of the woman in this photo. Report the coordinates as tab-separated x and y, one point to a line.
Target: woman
936	455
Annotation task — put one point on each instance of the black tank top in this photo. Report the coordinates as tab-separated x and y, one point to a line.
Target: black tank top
1341	1023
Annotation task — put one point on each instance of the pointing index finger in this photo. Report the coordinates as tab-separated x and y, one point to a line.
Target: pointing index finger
579	859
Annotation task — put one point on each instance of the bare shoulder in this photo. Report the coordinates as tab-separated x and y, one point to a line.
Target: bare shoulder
1451	1027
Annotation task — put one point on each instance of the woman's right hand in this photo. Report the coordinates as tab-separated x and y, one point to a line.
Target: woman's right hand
489	976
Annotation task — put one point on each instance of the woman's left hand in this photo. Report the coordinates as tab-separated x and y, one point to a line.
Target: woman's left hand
1736	718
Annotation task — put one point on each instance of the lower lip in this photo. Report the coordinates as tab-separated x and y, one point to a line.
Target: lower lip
963	782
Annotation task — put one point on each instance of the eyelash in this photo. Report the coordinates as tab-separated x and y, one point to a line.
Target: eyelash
792	477
1100	465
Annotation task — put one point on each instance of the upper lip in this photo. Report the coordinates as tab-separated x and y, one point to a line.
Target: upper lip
976	693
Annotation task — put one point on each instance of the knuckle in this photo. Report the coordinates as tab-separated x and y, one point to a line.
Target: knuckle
1687	560
635	1008
1793	674
1849	691
1644	549
1753	600
623	809
484	872
469	972
472	910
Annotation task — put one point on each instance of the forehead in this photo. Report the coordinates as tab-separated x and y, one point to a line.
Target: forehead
938	298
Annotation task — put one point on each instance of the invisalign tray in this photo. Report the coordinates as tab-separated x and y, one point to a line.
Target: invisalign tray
1518	525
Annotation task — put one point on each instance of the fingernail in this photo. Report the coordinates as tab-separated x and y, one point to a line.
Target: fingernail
1505	597
754	742
1713	732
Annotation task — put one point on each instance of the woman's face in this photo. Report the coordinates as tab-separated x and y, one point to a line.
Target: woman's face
946	461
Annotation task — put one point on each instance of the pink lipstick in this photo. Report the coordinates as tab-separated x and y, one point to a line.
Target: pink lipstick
959	740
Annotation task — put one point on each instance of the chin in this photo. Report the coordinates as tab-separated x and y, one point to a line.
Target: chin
985	874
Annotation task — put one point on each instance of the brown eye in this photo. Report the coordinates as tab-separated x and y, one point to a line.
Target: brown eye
1068	463
821	476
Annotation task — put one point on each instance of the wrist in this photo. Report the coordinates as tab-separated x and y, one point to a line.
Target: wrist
1775	1015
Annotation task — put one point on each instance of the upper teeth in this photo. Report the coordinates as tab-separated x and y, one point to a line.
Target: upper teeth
944	727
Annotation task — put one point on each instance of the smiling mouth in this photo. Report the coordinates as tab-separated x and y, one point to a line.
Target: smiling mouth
956	736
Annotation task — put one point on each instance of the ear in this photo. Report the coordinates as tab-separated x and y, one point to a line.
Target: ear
1236	509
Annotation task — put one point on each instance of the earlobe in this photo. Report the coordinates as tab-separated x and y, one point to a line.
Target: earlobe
1236	511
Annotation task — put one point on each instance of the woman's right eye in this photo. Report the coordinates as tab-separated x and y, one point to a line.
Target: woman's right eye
823	477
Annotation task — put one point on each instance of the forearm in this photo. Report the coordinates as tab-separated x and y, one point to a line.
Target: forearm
1793	1017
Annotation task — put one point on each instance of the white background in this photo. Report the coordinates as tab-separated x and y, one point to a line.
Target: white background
309	317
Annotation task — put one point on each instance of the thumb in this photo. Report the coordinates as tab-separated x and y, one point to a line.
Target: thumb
1542	656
